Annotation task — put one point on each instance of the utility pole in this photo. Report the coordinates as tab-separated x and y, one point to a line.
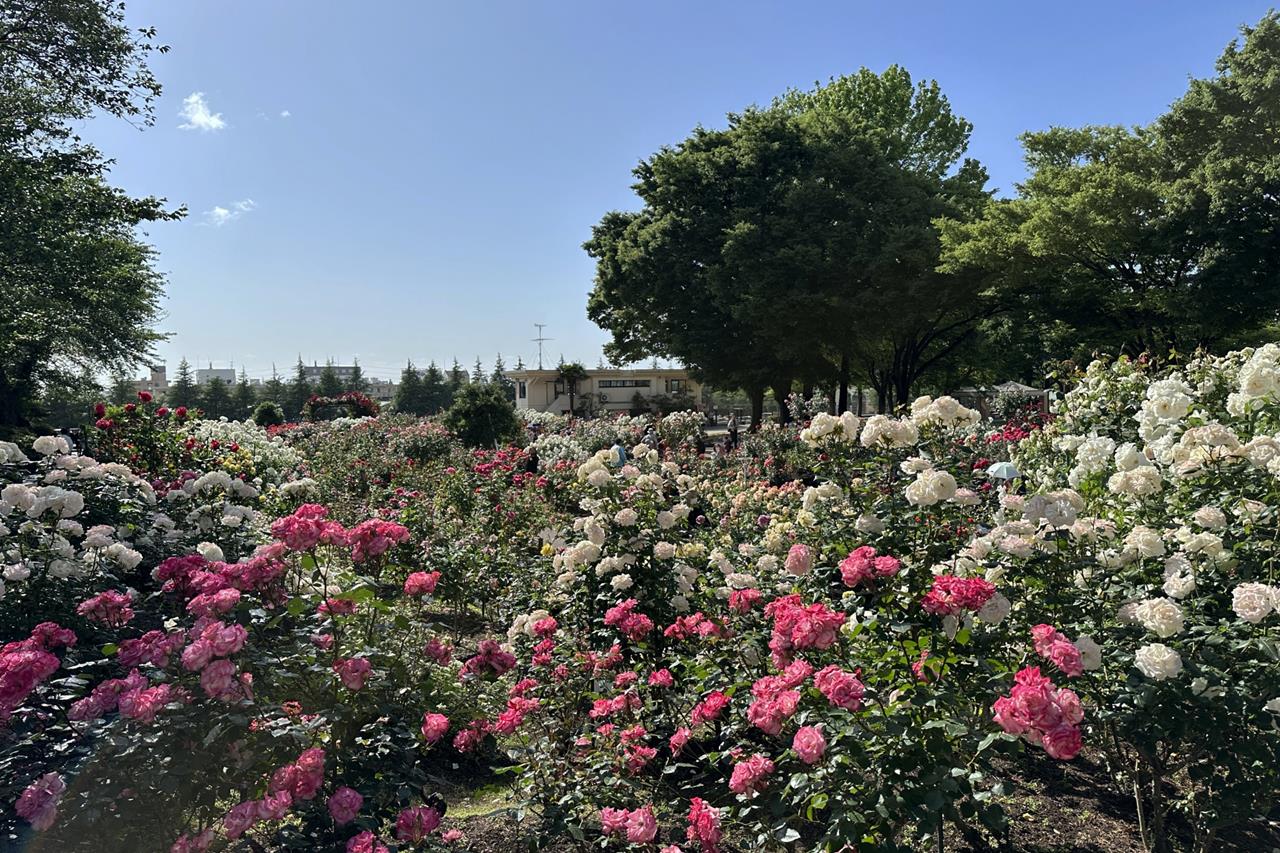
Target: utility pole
539	339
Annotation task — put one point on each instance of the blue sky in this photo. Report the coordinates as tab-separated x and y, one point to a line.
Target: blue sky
402	179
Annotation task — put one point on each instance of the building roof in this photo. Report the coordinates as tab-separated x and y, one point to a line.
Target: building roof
606	372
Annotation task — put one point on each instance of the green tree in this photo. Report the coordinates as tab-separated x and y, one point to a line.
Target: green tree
274	390
69	402
457	377
243	398
482	416
1150	239
122	389
329	385
80	288
477	372
499	378
300	391
356	381
268	413
182	390
760	245
437	392
215	399
409	397
571	374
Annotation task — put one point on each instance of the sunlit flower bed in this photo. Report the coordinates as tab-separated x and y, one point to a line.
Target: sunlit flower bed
842	638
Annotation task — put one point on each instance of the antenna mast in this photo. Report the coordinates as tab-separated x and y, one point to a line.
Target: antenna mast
539	339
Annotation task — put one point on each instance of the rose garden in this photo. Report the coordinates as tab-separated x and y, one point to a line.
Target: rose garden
299	619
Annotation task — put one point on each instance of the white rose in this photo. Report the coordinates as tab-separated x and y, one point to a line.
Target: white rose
1210	517
1161	616
1090	652
1252	602
621	582
994	611
626	517
210	552
1158	662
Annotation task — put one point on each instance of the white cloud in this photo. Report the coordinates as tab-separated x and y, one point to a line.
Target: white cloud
198	115
219	215
285	114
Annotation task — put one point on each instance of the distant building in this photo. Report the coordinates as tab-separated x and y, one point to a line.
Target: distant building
205	375
382	390
157	383
603	391
313	371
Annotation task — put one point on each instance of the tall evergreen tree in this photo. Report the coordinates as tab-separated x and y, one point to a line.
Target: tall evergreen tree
122	389
457	377
274	390
477	373
499	378
356	381
183	390
215	399
299	392
329	385
242	398
436	393
409	394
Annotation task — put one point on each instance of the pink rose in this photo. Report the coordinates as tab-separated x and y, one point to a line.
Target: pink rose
344	805
434	727
809	744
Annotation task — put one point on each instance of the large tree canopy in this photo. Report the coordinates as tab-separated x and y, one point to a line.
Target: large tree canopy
780	248
80	289
1150	239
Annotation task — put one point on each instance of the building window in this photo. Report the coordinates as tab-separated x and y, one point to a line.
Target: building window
675	385
524	390
622	383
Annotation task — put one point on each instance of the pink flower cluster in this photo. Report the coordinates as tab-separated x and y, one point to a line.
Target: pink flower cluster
108	607
197	843
1053	646
799	559
352	672
470	737
416	823
1041	714
704	825
744	600
308	527
776	698
374	537
153	647
215	588
38	804
752	775
434	726
695	625
809	744
601	708
841	688
796	626
289	784
490	659
222	681
513	715
863	566
634	626
344	804
710	708
639	825
366	842
421	583
212	639
24	664
951	595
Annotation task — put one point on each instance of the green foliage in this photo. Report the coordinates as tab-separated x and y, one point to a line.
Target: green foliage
268	414
183	390
329	385
299	392
482	416
215	399
243	398
80	288
571	374
409	393
356	381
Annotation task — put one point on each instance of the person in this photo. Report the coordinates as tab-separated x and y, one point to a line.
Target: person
531	462
650	437
619	455
733	430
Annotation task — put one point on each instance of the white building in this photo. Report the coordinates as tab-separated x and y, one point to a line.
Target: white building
603	391
156	383
205	375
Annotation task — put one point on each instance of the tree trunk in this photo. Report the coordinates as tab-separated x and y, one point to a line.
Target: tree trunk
782	390
757	406
842	398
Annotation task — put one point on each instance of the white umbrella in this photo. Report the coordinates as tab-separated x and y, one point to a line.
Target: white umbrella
1003	471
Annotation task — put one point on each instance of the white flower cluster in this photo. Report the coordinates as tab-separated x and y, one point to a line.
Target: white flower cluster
827	427
946	412
884	431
